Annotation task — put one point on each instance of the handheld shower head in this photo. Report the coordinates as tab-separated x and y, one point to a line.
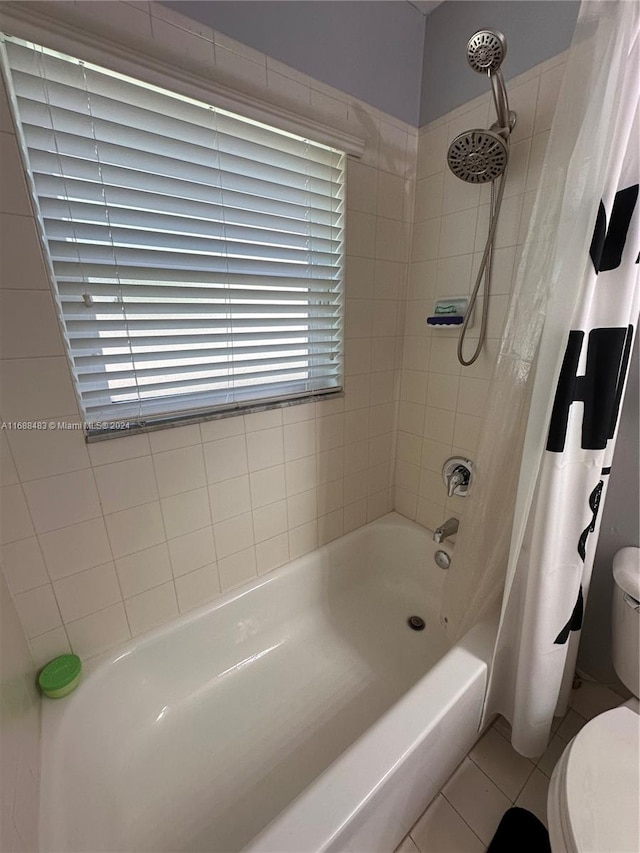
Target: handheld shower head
486	51
478	156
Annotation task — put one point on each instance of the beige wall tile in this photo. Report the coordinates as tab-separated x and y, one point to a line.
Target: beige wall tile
303	539
171	439
86	592
44	452
14	197
98	632
23	565
33	389
63	500
75	548
186	512
449	235
127	484
135	529
144	570
267	485
38	610
197	587
179	470
28	325
192	551
151	608
229	498
272	553
19	734
15	519
237	569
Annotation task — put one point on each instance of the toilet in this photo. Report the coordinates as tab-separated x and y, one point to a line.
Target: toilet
594	792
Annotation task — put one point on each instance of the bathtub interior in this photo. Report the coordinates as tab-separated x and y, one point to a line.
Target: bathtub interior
198	736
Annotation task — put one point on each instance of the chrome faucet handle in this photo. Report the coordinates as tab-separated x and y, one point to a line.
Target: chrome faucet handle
458	477
456	473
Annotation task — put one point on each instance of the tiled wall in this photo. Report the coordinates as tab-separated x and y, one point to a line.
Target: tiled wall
103	542
441	403
19	735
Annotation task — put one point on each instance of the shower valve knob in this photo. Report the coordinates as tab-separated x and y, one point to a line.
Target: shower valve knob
456	473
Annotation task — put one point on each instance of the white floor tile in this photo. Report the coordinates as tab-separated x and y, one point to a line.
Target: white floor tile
471	804
534	795
477	800
589	699
442	830
407	846
555	724
571	725
552	755
502	764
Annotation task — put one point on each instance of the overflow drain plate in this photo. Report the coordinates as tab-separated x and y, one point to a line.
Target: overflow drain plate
416	623
443	560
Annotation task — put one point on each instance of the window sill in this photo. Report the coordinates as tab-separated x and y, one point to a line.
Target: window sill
121	429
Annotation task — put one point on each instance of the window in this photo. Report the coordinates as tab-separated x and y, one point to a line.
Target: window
197	255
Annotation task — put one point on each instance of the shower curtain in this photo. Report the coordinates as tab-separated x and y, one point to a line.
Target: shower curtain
541	473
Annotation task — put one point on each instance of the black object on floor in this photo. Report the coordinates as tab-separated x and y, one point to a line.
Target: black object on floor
521	831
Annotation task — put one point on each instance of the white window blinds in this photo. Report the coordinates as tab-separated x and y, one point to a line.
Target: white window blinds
197	255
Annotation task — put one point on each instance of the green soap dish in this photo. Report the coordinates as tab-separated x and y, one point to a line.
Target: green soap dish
60	676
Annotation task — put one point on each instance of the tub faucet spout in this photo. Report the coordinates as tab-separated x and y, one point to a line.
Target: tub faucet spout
449	528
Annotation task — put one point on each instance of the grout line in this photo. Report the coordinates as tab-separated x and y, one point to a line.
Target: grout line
78	619
460	816
50	584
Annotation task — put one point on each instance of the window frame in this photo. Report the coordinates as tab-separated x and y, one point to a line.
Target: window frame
101	51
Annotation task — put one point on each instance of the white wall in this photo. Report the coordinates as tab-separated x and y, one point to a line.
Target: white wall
19	735
441	403
103	542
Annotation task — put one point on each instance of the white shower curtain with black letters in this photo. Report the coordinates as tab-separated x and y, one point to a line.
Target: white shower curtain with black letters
561	374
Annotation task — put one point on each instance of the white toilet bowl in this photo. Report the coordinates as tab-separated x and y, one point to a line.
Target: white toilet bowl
595	788
593	803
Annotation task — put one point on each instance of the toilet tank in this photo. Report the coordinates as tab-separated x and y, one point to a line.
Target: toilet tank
626	618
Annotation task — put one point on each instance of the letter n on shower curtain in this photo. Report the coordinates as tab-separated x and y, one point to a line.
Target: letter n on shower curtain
558	512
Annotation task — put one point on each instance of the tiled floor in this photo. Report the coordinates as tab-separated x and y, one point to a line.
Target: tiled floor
493	777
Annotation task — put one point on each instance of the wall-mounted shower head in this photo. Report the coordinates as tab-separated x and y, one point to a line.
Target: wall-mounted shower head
478	156
486	51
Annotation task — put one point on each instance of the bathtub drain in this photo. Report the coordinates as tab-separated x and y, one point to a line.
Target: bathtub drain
416	623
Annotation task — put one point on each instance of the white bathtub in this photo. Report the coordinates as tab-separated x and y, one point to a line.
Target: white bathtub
298	713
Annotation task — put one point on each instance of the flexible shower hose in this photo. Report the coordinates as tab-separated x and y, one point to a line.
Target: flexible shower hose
485	269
